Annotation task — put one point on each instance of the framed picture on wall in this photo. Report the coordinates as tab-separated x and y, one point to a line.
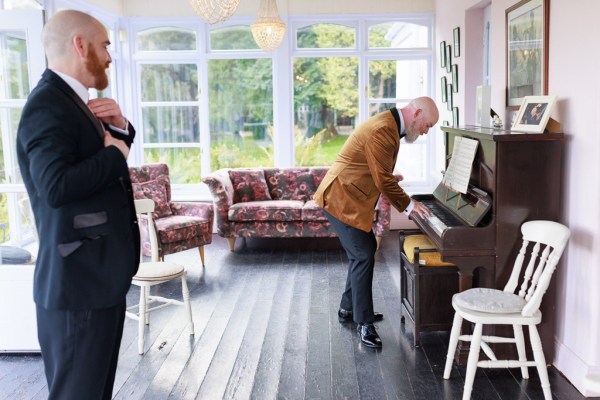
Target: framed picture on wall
449	101
443	88
443	54
455	121
455	78
457	42
448	58
526	51
534	114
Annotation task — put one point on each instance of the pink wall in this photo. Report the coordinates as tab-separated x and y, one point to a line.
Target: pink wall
574	76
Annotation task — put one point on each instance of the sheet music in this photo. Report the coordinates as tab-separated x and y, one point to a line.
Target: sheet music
459	170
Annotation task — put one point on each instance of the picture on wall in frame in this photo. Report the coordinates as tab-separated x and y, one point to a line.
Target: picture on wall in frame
443	54
449	101
534	114
526	51
456	42
455	78
455	121
448	58
443	88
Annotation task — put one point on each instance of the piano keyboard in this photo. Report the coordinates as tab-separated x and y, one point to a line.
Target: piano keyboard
440	218
436	224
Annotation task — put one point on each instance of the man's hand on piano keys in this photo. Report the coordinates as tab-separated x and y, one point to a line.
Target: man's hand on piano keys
420	209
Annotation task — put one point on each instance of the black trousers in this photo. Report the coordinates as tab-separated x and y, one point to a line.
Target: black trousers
80	349
360	246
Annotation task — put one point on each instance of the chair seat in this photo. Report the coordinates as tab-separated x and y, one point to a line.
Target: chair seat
177	228
158	271
489	300
481	317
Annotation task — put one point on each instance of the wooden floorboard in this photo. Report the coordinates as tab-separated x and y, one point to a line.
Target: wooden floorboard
266	327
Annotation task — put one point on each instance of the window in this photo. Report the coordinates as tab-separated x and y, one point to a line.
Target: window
170	117
209	98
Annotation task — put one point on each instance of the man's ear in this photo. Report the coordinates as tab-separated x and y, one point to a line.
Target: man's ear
417	112
79	45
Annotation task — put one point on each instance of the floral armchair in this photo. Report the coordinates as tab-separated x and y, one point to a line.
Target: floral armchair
179	225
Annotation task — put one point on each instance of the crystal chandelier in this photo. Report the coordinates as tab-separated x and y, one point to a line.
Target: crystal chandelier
214	11
268	29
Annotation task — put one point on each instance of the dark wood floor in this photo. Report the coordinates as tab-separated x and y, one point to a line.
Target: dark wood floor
266	328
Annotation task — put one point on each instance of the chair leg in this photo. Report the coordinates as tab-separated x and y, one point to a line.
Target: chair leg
231	241
186	302
142	319
146	302
540	361
201	249
378	240
472	361
456	325
520	342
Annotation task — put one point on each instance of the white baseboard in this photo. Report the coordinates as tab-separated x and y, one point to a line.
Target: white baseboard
582	376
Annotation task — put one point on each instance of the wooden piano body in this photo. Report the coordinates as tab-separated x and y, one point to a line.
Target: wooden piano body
521	173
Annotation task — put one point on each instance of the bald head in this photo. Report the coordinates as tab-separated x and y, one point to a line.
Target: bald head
62	27
428	107
419	115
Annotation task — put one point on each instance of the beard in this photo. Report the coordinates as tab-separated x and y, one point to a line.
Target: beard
96	69
412	134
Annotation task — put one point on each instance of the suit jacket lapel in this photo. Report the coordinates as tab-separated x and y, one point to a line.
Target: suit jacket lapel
60	84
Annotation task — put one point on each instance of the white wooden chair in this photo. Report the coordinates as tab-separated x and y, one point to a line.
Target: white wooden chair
516	305
153	273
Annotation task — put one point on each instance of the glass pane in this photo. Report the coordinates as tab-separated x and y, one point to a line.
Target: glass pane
405	79
398	35
22	4
326	36
9	122
166	39
325	107
184	163
169	82
14	76
171	125
376	108
240	102
238	37
4	224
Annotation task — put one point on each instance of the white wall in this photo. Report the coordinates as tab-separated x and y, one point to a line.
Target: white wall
574	62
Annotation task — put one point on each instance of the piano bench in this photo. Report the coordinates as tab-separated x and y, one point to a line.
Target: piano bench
427	285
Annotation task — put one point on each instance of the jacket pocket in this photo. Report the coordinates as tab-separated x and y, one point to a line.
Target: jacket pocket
357	192
91	219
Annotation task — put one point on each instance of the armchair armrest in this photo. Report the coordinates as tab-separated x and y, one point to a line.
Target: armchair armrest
221	189
196	209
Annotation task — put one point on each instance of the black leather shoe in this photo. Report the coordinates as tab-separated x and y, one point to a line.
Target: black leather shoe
369	336
346	316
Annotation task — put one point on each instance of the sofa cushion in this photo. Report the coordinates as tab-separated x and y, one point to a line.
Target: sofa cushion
312	212
290	183
249	185
272	210
318	174
155	190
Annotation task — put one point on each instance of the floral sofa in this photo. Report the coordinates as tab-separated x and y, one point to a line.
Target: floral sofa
275	203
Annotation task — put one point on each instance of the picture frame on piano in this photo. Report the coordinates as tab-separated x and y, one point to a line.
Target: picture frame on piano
534	114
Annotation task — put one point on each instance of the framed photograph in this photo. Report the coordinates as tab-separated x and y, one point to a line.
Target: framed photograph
443	54
455	121
526	51
534	114
457	42
448	58
455	78
443	88
449	101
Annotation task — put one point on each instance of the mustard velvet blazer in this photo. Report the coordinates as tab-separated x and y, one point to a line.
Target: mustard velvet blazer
362	171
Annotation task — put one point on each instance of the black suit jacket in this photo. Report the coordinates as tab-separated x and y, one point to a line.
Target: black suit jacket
81	197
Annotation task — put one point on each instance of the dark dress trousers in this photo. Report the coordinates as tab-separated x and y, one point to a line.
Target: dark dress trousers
81	197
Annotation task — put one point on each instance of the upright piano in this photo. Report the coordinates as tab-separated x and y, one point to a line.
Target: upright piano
517	177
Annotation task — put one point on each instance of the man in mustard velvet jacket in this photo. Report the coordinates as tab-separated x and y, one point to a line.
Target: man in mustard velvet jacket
349	192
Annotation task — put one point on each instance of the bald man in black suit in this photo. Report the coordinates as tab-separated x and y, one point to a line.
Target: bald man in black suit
72	153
